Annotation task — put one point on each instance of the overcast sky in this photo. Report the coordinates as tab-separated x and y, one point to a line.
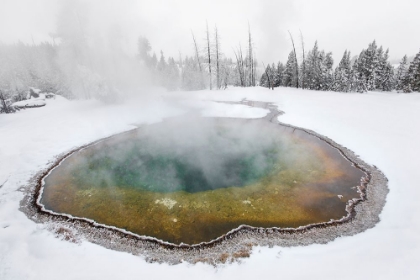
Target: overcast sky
336	24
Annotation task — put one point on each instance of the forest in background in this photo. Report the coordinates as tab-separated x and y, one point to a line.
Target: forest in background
81	65
369	71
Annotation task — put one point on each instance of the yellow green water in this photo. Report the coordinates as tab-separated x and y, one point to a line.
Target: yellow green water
190	182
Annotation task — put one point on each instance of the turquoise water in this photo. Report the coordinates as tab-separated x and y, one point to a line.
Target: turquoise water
193	180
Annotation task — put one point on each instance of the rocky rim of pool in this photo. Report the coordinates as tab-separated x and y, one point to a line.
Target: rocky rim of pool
362	212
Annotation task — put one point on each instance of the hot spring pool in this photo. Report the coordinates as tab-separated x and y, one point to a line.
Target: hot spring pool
193	180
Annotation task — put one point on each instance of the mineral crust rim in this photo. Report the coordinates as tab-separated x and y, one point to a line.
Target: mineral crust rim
373	188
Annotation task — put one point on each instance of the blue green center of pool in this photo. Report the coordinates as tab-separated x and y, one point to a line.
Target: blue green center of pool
141	166
194	180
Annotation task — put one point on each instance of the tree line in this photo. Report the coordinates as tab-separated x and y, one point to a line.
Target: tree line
206	68
76	66
369	71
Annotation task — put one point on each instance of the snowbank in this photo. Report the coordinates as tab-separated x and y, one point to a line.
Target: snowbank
380	127
30	103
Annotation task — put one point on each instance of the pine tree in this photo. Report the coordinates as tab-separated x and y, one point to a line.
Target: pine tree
384	79
154	61
191	75
388	81
143	49
161	66
161	69
172	75
318	69
280	70
379	68
274	75
342	74
358	80
401	72
289	75
265	80
313	67
327	77
366	66
412	78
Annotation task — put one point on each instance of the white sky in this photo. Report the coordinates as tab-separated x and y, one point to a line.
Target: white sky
336	24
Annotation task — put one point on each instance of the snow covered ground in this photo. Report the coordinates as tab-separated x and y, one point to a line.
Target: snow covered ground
382	128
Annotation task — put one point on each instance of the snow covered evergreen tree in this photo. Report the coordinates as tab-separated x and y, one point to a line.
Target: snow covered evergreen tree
267	81
154	61
318	69
143	48
400	74
384	79
342	74
358	80
276	75
278	81
327	76
412	78
313	68
191	75
289	75
172	75
366	67
161	66
379	68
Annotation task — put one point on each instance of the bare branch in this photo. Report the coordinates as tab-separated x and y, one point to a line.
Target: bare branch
216	37
196	52
296	61
208	52
303	60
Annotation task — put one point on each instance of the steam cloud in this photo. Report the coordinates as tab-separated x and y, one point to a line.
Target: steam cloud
189	154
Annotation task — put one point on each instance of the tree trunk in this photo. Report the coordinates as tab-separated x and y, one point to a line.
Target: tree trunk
239	65
296	61
197	55
217	59
251	59
303	61
209	56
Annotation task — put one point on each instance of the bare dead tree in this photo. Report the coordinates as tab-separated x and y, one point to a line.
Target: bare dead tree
241	59
208	53
296	61
181	67
197	56
240	65
251	58
303	60
217	50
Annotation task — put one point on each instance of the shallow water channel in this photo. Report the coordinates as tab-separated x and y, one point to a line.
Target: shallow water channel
191	180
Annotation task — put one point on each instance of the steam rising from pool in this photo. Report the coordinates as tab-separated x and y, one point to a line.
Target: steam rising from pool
193	179
183	155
